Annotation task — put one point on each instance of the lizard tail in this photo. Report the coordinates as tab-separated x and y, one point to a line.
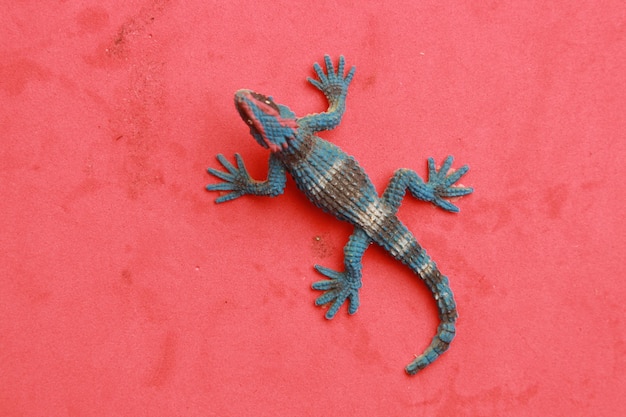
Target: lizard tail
417	259
403	246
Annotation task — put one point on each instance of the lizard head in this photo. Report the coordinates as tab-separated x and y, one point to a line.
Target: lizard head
271	124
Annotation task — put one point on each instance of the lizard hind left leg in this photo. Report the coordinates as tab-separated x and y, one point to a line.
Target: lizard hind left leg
344	285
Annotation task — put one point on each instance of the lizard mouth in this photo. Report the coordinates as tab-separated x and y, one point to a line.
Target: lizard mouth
245	99
253	107
268	124
246	102
243	107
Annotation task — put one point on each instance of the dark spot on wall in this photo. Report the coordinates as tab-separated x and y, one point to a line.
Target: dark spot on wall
17	73
165	362
127	277
321	247
555	198
92	19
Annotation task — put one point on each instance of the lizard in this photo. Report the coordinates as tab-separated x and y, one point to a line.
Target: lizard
336	183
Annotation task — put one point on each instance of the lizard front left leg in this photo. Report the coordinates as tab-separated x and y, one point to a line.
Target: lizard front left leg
238	182
344	285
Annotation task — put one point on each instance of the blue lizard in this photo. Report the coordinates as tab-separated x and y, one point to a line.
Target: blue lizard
335	182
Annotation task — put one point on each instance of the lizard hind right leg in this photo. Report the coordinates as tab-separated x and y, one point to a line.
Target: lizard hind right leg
439	187
402	180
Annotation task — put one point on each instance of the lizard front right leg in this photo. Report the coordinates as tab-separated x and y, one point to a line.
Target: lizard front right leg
344	285
335	87
238	182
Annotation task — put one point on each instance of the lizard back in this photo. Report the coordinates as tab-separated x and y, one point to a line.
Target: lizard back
332	180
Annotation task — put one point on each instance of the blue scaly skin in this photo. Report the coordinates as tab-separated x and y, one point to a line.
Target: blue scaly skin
335	182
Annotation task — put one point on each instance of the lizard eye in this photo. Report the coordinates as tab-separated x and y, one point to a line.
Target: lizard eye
250	122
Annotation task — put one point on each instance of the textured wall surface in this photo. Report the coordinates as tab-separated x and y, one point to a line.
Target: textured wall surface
125	291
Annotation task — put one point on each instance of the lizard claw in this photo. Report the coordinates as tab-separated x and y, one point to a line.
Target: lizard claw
440	183
236	179
337	290
333	84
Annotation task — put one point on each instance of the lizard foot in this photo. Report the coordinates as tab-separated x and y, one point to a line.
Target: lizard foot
236	179
440	184
339	288
334	85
